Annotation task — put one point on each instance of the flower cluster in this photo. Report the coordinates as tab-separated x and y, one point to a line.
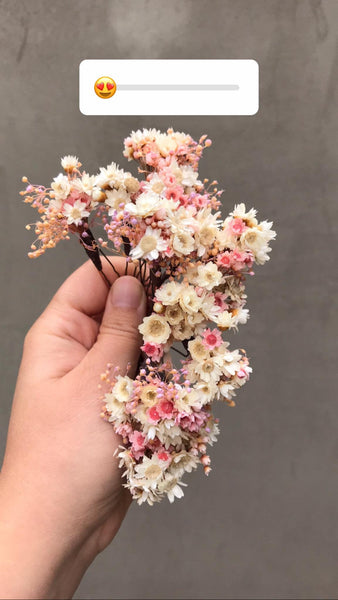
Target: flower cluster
193	264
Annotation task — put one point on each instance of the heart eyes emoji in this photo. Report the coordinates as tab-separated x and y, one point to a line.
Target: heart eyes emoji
105	87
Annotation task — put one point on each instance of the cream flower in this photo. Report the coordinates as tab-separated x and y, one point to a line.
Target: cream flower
155	185
208	370
169	292
150	471
61	187
75	212
115	409
181	220
225	238
123	388
198	350
171	486
183	462
183	243
221	350
142	495
174	314
207	230
69	163
180	137
185	401
155	329
112	176
209	276
114	198
209	308
231	363
205	391
256	239
140	137
189	177
150	245
85	184
182	331
253	239
126	461
191	275
146	205
170	141
176	170
169	433
248	216
225	320
194	319
227	389
165	144
205	238
140	414
242	316
149	395
116	399
189	301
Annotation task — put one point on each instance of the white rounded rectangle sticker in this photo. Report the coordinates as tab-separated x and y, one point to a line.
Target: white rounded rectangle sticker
169	87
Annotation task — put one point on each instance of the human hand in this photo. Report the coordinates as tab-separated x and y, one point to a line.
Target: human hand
61	498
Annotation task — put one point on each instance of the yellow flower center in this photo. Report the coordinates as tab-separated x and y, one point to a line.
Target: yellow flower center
208	366
148	243
153	472
149	395
76	213
156	328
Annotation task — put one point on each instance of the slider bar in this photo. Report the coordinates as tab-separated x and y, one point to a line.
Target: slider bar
174	87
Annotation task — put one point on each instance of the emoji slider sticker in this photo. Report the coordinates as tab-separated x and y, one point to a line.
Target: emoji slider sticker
105	87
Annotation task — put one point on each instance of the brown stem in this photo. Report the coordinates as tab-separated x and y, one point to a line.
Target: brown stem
90	247
109	261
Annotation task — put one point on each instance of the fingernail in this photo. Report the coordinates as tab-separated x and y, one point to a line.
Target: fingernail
127	292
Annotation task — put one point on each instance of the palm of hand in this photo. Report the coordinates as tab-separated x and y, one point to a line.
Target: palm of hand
57	444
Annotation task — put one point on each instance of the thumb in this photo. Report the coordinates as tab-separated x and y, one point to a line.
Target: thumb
119	340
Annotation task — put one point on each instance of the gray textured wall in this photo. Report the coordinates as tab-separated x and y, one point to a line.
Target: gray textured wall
265	523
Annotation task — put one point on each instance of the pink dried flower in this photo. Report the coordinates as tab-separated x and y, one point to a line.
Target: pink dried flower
153	414
154	351
237	226
212	339
165	409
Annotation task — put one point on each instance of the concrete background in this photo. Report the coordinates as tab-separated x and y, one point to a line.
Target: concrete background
265	523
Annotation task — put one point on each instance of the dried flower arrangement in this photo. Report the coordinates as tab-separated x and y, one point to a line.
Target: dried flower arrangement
192	264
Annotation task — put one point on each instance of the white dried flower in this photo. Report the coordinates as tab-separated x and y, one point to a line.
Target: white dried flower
76	212
169	292
146	205
155	329
61	187
150	245
69	163
209	276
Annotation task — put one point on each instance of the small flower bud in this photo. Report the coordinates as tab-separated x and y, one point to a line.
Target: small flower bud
205	460
158	307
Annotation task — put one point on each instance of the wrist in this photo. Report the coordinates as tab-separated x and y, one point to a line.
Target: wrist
39	558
